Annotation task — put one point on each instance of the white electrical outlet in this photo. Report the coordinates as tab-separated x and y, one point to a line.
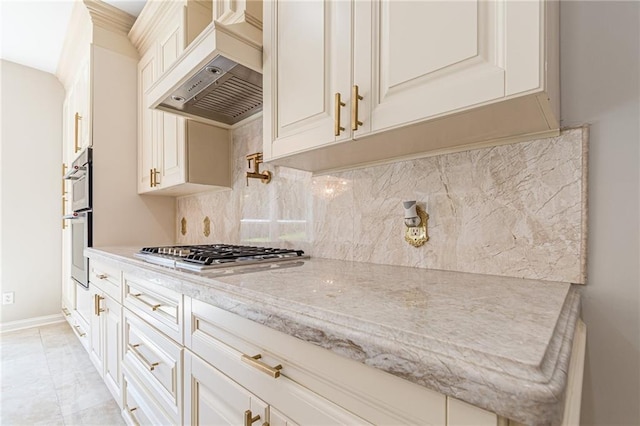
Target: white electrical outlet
415	231
7	298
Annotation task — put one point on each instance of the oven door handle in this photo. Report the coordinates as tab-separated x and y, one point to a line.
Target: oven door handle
76	215
76	173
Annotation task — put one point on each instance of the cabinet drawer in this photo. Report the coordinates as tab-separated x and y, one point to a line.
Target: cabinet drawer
156	360
138	409
106	278
338	384
160	307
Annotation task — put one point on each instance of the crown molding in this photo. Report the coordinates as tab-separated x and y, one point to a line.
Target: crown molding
152	20
109	17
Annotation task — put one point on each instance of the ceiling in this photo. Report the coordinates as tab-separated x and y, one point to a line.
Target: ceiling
33	31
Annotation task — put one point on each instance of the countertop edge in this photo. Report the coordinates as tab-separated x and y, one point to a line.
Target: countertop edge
530	402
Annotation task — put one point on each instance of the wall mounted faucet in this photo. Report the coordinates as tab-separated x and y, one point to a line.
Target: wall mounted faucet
265	176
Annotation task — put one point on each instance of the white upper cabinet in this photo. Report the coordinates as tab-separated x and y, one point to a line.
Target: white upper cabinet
170	128
310	40
176	156
77	113
416	60
442	72
147	120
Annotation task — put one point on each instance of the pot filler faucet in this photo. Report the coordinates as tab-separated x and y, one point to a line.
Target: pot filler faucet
265	176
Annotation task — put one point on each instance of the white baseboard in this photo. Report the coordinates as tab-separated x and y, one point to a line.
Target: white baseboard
31	322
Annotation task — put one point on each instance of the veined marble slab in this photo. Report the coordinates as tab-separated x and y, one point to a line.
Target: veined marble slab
515	210
500	343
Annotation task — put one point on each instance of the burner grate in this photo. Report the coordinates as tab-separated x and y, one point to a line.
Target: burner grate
211	255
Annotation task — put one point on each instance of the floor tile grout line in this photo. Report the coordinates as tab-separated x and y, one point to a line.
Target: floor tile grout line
55	390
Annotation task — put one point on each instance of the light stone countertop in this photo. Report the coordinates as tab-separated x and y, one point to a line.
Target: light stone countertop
499	343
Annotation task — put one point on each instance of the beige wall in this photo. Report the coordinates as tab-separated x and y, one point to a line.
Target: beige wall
600	74
30	161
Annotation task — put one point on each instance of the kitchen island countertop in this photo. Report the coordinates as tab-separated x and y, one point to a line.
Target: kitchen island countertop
500	343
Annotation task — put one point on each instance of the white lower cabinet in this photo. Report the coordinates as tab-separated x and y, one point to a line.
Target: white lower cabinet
138	408
112	317
156	362
105	341
311	385
214	399
105	334
82	316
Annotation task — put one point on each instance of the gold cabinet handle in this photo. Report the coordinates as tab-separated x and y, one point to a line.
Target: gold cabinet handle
102	276
155	177
355	97
150	365
131	410
154	307
80	332
255	362
66	312
249	419
76	147
337	127
96	304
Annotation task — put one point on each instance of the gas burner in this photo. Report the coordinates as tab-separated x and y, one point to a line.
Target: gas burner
204	257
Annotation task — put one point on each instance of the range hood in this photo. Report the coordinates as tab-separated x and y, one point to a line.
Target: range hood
216	79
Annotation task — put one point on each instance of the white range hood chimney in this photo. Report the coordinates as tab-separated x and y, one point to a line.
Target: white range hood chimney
218	77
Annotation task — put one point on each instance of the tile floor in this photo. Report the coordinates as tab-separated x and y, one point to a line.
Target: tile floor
47	378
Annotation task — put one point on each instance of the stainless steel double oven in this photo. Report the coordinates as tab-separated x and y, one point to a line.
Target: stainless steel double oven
80	219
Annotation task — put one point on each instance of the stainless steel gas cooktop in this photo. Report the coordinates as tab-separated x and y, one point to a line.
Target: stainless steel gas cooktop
206	257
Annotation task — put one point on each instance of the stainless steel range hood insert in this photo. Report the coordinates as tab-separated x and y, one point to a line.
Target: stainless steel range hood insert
216	78
222	90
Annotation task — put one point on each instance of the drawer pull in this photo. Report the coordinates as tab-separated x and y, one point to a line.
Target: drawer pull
151	305
255	362
133	417
249	419
150	365
102	276
80	332
66	312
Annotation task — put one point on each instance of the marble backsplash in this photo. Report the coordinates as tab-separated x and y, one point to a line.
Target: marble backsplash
515	210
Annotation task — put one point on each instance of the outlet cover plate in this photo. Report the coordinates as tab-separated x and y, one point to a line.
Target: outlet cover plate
417	235
8	298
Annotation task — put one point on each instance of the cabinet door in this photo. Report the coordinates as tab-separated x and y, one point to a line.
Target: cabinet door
418	60
146	122
112	318
214	399
308	53
96	336
170	127
84	103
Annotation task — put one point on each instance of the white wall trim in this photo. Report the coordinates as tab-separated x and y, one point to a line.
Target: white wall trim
31	322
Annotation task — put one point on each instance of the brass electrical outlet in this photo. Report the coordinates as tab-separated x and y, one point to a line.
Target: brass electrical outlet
206	226
417	235
183	226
